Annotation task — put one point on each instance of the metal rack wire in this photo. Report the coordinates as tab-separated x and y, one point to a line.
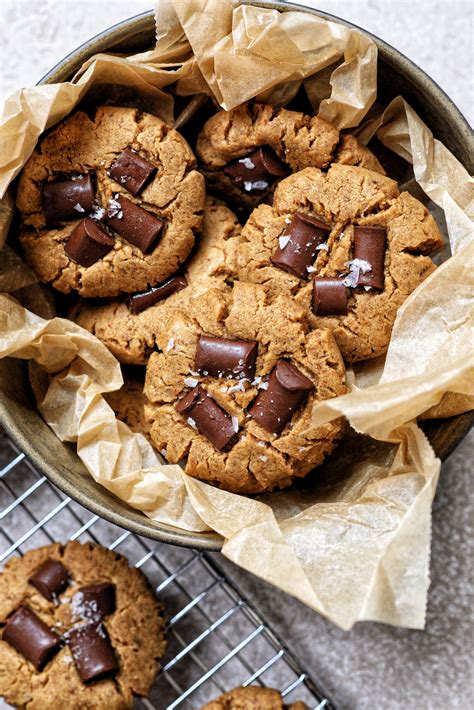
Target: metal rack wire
216	639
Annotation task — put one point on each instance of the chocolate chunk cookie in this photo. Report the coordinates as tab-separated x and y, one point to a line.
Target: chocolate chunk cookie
110	204
236	401
79	629
347	246
246	151
252	698
131	336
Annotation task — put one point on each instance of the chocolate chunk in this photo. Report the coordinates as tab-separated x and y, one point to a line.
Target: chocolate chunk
329	297
138	226
95	601
92	652
256	171
31	637
287	389
203	413
221	357
132	171
369	246
88	243
139	301
298	253
50	579
64	200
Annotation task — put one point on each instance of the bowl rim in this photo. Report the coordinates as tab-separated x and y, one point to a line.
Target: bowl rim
67	67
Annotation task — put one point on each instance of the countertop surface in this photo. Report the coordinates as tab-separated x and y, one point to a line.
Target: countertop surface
372	666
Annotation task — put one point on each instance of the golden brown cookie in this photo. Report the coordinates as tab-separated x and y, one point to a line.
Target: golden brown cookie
252	698
126	175
249	428
228	145
316	230
135	629
132	336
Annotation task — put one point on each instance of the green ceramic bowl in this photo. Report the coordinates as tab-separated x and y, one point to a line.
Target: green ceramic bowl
18	413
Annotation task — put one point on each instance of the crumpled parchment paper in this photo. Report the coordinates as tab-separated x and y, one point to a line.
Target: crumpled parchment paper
354	543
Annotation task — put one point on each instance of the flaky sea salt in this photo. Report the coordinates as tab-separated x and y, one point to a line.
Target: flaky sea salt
263	458
263	386
283	241
170	345
288	220
356	267
322	247
247	163
255	185
256	381
191	422
235	424
239	387
84	610
190	382
78	207
114	209
97	213
310	269
260	443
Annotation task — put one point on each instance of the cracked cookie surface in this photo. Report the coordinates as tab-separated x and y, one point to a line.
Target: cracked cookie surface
135	628
132	336
80	145
299	140
258	461
343	197
252	698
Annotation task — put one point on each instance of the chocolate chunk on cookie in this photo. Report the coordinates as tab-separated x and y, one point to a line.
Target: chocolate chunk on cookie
248	434
96	643
126	169
354	277
245	152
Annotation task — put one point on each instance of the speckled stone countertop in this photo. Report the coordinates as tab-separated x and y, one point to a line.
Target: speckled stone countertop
372	666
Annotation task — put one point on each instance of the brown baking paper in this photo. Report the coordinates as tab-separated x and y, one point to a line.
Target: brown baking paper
354	542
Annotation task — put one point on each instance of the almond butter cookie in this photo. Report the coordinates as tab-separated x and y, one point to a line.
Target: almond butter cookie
234	403
109	204
346	246
252	698
79	628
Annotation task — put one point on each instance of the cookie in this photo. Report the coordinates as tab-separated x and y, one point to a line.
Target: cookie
131	337
346	246
236	401
109	204
79	629
244	152
252	698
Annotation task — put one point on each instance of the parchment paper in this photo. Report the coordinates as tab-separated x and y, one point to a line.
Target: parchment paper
354	542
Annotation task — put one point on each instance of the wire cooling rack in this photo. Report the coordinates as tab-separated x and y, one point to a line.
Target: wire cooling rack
216	639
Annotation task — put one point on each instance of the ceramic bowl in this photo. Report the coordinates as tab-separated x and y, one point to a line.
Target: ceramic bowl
18	413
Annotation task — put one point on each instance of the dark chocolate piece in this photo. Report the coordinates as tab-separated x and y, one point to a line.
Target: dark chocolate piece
95	601
88	243
256	171
64	200
132	171
369	246
287	389
31	637
50	579
92	652
221	357
138	226
329	297
202	412
305	235
140	301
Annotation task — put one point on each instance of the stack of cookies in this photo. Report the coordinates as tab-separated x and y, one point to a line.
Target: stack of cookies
238	326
